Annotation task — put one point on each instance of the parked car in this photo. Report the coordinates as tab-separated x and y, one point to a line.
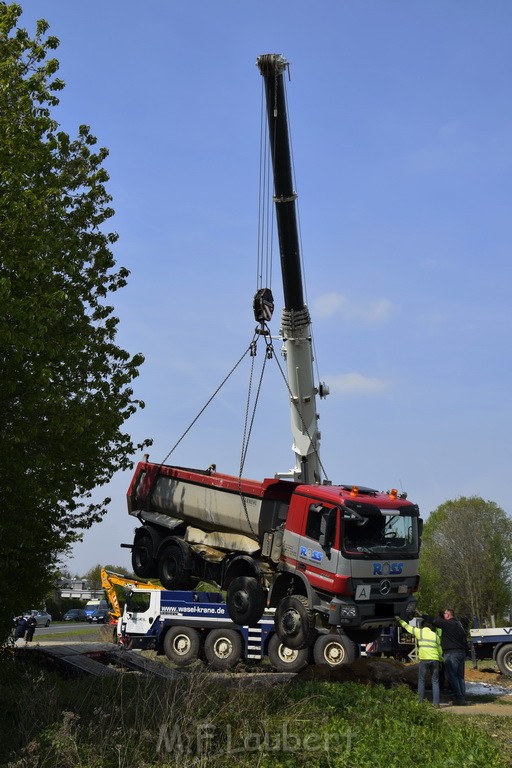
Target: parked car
43	619
101	616
75	614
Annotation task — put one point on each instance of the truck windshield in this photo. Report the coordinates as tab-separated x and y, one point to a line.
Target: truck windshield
384	532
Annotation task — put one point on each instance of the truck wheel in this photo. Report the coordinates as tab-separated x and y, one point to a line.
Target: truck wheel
245	601
171	568
223	648
334	650
504	660
143	563
285	659
182	645
294	622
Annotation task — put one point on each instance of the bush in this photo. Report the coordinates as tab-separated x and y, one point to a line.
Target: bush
196	720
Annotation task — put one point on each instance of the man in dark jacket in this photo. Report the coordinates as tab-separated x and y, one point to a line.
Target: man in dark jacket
31	628
20	626
453	642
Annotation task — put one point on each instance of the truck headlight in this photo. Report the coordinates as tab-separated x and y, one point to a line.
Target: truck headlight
348	611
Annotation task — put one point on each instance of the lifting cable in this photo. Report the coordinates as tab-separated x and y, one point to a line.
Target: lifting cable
247	432
265	240
266	215
265	205
205	406
263	271
263	280
248	426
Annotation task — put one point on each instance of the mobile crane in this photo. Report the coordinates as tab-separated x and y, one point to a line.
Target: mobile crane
187	626
495	643
342	557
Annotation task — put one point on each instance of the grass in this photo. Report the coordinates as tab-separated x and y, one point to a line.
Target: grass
498	729
101	633
132	721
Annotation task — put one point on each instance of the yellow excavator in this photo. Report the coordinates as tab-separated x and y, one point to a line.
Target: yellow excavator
110	579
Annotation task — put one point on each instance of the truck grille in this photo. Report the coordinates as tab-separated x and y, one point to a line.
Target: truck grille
386	589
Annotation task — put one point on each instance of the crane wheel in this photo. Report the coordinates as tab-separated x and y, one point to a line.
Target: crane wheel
284	659
223	648
504	659
182	645
334	650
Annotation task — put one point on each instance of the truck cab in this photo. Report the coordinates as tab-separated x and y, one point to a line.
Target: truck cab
353	553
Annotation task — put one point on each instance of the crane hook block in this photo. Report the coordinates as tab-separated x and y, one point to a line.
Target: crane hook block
263	305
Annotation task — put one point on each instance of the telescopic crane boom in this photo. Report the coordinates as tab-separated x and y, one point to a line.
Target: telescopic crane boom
295	320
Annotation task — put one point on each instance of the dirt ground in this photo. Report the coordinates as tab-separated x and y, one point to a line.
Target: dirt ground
390	673
488	675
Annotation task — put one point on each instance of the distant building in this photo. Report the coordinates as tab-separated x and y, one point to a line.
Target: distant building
79	589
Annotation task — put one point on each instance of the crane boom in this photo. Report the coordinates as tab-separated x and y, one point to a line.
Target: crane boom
295	320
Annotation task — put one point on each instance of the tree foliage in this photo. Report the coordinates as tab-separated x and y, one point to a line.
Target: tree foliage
65	387
93	575
466	559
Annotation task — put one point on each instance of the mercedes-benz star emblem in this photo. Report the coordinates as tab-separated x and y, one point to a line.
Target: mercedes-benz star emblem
385	587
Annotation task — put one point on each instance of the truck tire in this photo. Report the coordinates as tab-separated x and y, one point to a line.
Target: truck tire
284	659
143	562
223	648
245	601
171	568
182	645
334	650
504	659
294	622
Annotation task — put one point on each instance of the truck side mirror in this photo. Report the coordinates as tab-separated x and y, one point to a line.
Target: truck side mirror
327	530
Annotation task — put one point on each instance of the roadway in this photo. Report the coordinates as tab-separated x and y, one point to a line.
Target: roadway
67	628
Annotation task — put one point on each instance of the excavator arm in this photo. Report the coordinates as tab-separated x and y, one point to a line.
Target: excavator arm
110	579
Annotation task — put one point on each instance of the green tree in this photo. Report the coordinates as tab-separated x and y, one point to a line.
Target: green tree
466	559
93	575
64	386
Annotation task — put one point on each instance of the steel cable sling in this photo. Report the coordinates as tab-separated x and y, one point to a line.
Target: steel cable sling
205	406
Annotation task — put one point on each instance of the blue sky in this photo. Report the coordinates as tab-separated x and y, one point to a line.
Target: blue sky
401	123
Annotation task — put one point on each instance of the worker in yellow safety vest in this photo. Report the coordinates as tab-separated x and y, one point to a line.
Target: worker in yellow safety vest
430	654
